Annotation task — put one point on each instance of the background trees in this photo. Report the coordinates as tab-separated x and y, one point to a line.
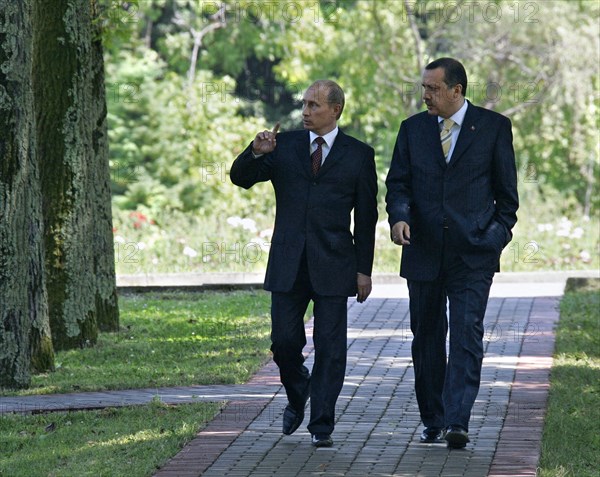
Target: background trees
190	83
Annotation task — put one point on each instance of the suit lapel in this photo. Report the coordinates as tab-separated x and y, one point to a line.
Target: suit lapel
431	139
302	149
468	131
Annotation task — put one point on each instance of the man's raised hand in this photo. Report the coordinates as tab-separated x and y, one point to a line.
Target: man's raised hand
265	142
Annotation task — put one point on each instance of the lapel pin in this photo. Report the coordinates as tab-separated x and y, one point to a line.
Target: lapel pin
472	128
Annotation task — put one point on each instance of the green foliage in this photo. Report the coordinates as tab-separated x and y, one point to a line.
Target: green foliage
172	143
175	129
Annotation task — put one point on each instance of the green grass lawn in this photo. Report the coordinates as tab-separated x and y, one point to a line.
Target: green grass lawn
169	339
166	339
571	440
114	442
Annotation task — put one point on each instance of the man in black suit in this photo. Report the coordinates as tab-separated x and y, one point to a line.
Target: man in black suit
320	175
452	202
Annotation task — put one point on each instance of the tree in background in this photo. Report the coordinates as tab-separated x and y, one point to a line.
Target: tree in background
71	143
25	341
57	282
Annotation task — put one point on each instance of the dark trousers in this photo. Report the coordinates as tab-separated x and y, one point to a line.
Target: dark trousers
329	336
446	392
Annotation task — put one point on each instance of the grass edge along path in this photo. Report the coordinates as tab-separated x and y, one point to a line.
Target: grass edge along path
200	338
571	441
168	339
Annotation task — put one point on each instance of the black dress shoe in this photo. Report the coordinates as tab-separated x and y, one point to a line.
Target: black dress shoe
432	434
322	440
456	437
292	418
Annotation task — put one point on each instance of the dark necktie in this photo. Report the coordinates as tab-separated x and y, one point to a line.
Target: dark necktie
317	156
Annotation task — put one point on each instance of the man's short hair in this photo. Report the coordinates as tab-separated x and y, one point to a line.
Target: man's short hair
335	94
454	72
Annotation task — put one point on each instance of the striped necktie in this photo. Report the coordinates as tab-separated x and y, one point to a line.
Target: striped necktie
446	137
317	156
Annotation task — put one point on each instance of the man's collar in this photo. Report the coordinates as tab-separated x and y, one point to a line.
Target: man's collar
459	116
329	137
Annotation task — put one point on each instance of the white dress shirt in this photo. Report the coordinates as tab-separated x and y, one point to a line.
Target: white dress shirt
327	145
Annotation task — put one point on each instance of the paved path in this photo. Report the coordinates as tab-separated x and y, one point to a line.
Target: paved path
378	423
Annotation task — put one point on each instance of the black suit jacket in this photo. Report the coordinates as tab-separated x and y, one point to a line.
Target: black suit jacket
475	194
314	213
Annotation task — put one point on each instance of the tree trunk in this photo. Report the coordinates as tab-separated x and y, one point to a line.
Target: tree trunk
71	143
25	341
107	310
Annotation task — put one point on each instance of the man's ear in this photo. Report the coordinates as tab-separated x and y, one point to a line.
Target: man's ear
458	89
337	109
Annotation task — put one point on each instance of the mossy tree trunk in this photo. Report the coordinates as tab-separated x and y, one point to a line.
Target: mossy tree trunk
25	341
71	144
107	311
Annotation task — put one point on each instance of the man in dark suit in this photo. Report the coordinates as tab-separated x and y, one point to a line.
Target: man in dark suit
320	175
452	202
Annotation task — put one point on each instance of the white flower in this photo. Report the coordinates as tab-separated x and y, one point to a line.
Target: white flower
564	227
585	256
190	252
234	221
119	239
545	227
249	224
565	224
577	233
141	245
267	233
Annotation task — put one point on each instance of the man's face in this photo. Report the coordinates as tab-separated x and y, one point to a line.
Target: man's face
318	115
440	99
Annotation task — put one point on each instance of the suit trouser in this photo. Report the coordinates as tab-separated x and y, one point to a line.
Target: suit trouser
446	392
329	336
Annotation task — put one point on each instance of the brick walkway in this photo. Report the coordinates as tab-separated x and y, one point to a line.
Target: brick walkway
378	424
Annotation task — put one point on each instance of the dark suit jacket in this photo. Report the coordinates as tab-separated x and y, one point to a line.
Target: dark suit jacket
314	214
475	194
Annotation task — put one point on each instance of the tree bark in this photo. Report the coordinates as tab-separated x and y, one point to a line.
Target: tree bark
71	144
107	310
25	341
